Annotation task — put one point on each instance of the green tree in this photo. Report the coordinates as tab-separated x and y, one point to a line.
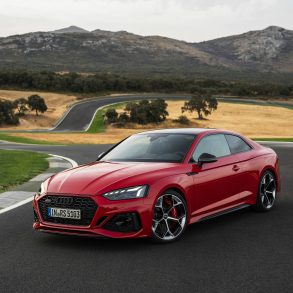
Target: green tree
145	112
111	115
37	103
159	110
7	115
21	106
204	106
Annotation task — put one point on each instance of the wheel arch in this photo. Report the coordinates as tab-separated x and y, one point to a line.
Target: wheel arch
181	191
273	171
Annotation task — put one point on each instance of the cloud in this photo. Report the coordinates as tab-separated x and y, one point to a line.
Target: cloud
191	20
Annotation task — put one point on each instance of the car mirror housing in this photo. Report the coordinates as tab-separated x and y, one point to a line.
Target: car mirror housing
206	158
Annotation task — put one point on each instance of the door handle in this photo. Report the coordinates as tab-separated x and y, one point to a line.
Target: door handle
235	168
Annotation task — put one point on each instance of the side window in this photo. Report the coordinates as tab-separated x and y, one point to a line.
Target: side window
215	144
237	144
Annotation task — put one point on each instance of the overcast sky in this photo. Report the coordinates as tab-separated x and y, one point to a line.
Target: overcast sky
190	20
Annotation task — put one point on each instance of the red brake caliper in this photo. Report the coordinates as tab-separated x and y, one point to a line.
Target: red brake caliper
173	213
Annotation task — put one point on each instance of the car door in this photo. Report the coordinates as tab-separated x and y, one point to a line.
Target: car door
214	183
245	183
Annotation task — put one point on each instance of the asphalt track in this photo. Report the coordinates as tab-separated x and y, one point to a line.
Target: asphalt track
80	115
239	252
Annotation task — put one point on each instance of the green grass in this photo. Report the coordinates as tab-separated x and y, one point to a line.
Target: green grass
19	166
11	138
98	124
288	139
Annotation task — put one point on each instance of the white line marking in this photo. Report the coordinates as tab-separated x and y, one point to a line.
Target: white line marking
72	162
16	205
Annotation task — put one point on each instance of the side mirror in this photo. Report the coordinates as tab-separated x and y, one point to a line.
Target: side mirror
100	156
206	158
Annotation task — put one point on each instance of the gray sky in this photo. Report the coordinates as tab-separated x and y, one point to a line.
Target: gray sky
190	20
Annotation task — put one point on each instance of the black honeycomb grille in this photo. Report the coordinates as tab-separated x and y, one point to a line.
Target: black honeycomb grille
85	204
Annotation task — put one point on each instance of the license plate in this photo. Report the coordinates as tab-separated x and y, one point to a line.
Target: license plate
64	213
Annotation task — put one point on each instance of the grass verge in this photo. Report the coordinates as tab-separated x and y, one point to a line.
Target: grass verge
281	139
18	167
18	139
98	124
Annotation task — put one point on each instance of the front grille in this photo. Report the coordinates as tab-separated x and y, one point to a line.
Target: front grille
85	204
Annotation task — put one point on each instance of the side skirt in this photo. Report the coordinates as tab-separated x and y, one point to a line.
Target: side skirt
228	211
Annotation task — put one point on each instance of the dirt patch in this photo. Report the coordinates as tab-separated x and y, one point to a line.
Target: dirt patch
57	105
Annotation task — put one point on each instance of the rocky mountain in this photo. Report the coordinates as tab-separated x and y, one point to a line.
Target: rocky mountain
270	49
70	29
75	49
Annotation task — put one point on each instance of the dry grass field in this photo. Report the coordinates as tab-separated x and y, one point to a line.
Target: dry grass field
250	120
57	105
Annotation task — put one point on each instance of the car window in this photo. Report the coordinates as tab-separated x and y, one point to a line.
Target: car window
215	144
152	147
237	144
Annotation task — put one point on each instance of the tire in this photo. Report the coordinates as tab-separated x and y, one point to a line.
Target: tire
170	217
267	191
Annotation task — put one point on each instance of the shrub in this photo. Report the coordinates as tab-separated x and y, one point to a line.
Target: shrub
145	112
182	120
7	115
21	106
111	115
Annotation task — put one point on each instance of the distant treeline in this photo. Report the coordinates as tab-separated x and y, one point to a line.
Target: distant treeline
80	83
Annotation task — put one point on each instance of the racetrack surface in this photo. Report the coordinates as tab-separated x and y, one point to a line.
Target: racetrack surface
239	252
79	117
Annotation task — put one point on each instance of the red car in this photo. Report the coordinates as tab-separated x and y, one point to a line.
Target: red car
154	184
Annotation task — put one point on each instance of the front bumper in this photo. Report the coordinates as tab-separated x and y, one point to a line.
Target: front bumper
114	219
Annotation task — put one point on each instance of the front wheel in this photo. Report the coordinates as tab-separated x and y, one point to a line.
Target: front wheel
169	217
267	192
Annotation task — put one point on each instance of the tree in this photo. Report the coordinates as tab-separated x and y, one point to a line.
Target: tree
21	106
146	112
7	115
111	115
204	106
37	103
159	108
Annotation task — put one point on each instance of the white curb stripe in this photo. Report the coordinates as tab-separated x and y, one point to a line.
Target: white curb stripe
72	162
14	206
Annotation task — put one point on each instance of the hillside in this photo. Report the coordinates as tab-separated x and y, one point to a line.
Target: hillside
75	49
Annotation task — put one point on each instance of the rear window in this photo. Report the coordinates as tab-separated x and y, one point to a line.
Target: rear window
237	144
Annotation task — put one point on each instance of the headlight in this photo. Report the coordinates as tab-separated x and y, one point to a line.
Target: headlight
41	190
127	193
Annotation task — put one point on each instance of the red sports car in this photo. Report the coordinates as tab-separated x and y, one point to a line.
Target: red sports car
153	184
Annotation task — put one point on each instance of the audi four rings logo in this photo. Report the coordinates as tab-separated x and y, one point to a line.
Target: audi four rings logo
60	200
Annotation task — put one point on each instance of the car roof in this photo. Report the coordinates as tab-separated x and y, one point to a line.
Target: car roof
181	130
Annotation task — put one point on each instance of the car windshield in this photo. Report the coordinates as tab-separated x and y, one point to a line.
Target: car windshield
152	147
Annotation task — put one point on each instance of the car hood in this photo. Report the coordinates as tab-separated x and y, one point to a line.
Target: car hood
100	177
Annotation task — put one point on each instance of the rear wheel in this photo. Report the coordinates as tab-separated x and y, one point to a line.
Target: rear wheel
267	192
169	217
